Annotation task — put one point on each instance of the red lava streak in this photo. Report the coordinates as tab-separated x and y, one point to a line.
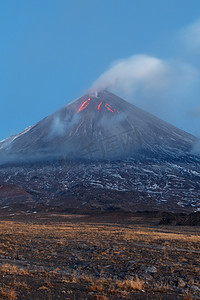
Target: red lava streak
107	106
87	102
84	105
99	105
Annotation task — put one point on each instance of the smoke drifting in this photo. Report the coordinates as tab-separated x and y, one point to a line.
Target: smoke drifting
168	88
59	126
133	73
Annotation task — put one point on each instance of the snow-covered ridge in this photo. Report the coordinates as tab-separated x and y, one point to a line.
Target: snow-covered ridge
5	143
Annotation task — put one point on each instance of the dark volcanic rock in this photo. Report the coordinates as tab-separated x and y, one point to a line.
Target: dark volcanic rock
126	185
192	219
11	193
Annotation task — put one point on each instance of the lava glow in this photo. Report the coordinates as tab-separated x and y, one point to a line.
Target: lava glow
99	105
87	102
84	105
108	107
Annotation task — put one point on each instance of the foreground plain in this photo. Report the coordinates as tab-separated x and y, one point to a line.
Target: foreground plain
112	255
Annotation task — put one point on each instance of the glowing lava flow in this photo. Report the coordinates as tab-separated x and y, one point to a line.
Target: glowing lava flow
108	107
99	105
87	102
84	105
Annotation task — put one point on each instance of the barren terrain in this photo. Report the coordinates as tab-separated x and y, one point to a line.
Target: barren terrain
97	256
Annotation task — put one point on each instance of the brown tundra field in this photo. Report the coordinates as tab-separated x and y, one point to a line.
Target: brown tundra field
97	256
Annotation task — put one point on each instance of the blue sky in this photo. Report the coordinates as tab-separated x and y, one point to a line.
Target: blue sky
52	51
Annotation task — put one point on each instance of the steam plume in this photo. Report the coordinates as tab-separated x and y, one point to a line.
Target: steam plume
168	88
132	73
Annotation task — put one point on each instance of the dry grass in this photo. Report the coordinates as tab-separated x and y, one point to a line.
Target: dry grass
8	294
20	285
115	287
101	297
132	284
161	287
12	269
56	256
43	288
95	287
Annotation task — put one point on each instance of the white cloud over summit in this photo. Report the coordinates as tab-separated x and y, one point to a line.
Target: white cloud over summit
168	87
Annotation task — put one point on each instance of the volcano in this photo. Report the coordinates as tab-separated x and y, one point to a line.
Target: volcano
100	153
97	126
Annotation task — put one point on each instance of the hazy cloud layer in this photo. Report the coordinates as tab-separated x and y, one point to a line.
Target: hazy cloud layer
60	126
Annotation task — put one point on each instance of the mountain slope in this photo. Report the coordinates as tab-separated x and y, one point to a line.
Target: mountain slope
97	126
129	185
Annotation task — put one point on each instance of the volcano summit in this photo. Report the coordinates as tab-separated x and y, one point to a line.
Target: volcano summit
101	152
98	126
